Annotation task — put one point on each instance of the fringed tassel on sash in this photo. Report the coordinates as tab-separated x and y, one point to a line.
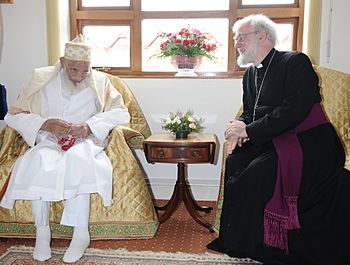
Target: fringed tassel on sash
275	230
276	226
293	220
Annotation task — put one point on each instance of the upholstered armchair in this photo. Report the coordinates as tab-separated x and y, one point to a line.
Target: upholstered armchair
132	213
335	90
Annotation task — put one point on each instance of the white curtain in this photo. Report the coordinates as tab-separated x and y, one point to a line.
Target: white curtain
314	33
53	30
57	16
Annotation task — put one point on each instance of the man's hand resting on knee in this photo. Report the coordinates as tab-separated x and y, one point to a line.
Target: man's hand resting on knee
234	134
57	127
63	129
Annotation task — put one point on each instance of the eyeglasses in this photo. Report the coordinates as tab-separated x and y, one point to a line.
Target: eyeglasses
242	36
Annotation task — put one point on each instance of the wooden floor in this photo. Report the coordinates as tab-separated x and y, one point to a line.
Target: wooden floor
179	233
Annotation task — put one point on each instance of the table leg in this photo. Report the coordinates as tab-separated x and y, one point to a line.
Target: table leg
189	201
205	209
171	205
182	192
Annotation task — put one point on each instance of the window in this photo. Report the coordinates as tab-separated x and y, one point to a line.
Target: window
126	33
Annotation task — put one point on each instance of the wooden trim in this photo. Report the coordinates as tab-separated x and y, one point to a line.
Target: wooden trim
106	14
186	14
73	7
296	4
232	52
300	30
7	1
271	12
136	39
92	22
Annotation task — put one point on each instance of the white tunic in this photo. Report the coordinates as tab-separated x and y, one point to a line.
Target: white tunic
47	172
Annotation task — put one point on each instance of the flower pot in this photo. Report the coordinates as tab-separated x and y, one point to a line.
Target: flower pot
182	134
185	65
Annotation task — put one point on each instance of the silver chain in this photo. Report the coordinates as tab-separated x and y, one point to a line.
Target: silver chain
260	88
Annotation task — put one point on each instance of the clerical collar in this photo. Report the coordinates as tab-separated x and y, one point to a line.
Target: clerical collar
266	59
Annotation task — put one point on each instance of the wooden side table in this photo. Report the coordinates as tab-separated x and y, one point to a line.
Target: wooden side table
198	148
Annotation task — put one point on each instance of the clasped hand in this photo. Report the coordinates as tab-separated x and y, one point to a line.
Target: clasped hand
234	134
62	129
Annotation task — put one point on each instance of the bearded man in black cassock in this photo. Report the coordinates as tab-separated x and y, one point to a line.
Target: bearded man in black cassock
286	193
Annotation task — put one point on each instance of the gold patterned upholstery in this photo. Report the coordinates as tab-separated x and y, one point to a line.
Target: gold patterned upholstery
335	90
131	214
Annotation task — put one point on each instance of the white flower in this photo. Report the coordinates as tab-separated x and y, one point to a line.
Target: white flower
191	119
192	125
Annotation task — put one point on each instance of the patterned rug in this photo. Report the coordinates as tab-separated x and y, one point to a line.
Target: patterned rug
22	255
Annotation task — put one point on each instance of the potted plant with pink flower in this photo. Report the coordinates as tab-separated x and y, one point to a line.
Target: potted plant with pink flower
182	123
187	47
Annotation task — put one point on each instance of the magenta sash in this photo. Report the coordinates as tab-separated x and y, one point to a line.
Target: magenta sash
281	212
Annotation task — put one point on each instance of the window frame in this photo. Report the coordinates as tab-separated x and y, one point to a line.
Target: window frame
80	16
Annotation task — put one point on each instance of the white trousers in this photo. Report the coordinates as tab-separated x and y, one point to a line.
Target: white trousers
76	211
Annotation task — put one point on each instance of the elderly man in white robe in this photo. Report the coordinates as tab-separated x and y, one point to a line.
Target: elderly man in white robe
65	113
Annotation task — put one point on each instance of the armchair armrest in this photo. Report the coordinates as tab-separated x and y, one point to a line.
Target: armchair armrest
133	138
12	145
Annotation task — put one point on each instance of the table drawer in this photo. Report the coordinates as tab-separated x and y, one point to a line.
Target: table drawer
180	154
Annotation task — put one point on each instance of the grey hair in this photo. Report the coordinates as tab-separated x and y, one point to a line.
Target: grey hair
259	23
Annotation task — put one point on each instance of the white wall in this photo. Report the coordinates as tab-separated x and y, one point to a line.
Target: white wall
216	100
24	40
335	35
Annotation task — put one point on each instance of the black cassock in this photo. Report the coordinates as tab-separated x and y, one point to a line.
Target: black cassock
288	92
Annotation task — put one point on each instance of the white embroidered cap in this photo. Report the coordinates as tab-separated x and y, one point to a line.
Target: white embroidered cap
78	49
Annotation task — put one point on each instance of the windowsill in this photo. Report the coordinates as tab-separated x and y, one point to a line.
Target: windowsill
201	75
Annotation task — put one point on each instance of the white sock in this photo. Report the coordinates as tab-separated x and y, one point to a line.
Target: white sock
42	250
78	245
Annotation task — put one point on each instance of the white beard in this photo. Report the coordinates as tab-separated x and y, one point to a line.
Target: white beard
248	57
68	88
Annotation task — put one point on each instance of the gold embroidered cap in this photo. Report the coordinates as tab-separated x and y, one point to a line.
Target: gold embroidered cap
78	49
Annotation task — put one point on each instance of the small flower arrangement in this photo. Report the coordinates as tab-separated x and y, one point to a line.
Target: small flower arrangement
180	121
188	42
